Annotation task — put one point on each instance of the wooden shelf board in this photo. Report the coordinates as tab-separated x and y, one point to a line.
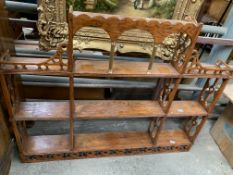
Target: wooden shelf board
125	140
105	109
186	109
123	69
52	144
49	144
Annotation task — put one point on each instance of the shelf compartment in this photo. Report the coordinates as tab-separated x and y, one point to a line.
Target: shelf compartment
186	109
105	109
85	68
110	141
46	144
42	111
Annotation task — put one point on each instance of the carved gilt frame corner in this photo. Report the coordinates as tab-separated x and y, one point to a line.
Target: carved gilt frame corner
52	23
52	19
187	8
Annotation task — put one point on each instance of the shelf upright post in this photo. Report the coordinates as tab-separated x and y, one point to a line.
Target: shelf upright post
112	54
164	87
71	77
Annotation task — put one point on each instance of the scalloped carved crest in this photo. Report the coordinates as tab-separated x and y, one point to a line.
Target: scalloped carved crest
115	25
176	39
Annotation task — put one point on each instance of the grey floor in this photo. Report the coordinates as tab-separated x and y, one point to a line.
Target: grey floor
204	158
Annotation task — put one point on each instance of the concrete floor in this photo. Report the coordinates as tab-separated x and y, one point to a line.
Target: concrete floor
203	159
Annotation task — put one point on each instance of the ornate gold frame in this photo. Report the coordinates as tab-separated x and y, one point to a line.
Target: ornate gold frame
52	23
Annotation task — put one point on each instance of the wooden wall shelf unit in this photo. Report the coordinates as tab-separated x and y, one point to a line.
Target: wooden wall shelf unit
162	107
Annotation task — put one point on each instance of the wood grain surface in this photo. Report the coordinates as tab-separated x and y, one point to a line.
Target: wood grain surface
106	109
51	144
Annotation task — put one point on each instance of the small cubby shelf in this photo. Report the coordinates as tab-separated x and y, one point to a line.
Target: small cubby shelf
163	107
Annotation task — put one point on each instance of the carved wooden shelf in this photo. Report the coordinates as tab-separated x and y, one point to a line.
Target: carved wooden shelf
173	39
96	109
92	68
103	144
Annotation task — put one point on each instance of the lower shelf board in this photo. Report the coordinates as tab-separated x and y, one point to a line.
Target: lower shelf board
55	147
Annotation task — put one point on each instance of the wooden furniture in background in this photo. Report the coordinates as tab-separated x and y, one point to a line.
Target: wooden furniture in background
6	146
161	108
222	131
6	143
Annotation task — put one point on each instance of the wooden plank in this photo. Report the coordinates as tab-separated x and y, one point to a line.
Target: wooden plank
52	144
123	69
105	109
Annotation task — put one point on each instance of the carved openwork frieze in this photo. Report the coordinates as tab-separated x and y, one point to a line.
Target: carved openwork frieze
102	153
